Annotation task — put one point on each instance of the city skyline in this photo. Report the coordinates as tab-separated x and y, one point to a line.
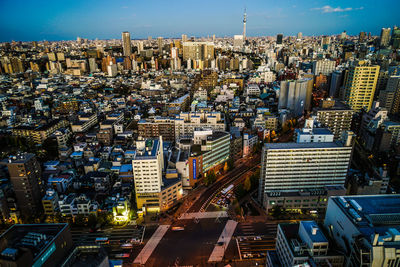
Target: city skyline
106	20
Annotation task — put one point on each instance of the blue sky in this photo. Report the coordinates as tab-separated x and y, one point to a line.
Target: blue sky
66	19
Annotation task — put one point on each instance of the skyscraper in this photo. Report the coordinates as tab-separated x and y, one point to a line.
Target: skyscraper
126	44
360	84
25	176
160	42
279	38
385	37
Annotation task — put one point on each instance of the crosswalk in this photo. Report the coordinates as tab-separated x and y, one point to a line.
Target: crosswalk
247	228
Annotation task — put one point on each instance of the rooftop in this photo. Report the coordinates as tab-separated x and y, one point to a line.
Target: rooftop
20	236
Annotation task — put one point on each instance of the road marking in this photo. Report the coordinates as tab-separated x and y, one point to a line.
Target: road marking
150	246
203	215
225	237
238	247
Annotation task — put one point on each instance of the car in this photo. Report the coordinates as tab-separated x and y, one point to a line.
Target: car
257	238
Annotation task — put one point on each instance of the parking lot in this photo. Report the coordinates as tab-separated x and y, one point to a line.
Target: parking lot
253	240
253	247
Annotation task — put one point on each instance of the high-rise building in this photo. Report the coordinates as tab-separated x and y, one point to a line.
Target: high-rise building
365	229
343	35
334	115
396	38
154	190
148	165
279	38
360	84
160	43
385	37
299	35
297	171
126	44
295	95
238	41
25	176
336	83
390	97
324	66
184	38
198	50
361	37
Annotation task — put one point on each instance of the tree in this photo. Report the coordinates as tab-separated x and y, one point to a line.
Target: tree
226	167
247	184
277	212
231	164
240	192
92	220
210	178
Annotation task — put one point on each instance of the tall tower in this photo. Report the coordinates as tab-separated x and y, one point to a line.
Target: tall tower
244	25
126	44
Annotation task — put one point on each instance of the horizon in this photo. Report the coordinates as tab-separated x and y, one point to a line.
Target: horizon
66	20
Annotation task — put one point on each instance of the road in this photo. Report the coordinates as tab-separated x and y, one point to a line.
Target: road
116	236
224	181
191	246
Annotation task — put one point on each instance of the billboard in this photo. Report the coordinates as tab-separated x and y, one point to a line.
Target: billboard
194	169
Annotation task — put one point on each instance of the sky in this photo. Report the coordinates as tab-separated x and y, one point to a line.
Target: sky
38	20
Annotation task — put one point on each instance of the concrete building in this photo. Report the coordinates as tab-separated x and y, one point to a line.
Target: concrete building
85	122
148	165
159	126
390	97
303	244
324	66
288	169
38	134
295	95
126	44
34	245
198	50
365	229
249	141
385	37
359	86
311	134
238	41
334	115
186	123
26	177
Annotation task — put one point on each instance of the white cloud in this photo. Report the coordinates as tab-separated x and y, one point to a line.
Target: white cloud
329	9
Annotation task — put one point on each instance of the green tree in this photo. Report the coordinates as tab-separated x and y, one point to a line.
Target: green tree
92	220
240	192
277	212
231	164
247	184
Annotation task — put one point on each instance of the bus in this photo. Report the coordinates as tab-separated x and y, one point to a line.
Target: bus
102	241
227	189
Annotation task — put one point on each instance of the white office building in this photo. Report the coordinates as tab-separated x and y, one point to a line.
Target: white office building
366	229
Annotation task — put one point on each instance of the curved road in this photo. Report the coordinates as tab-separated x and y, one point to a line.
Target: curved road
223	181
